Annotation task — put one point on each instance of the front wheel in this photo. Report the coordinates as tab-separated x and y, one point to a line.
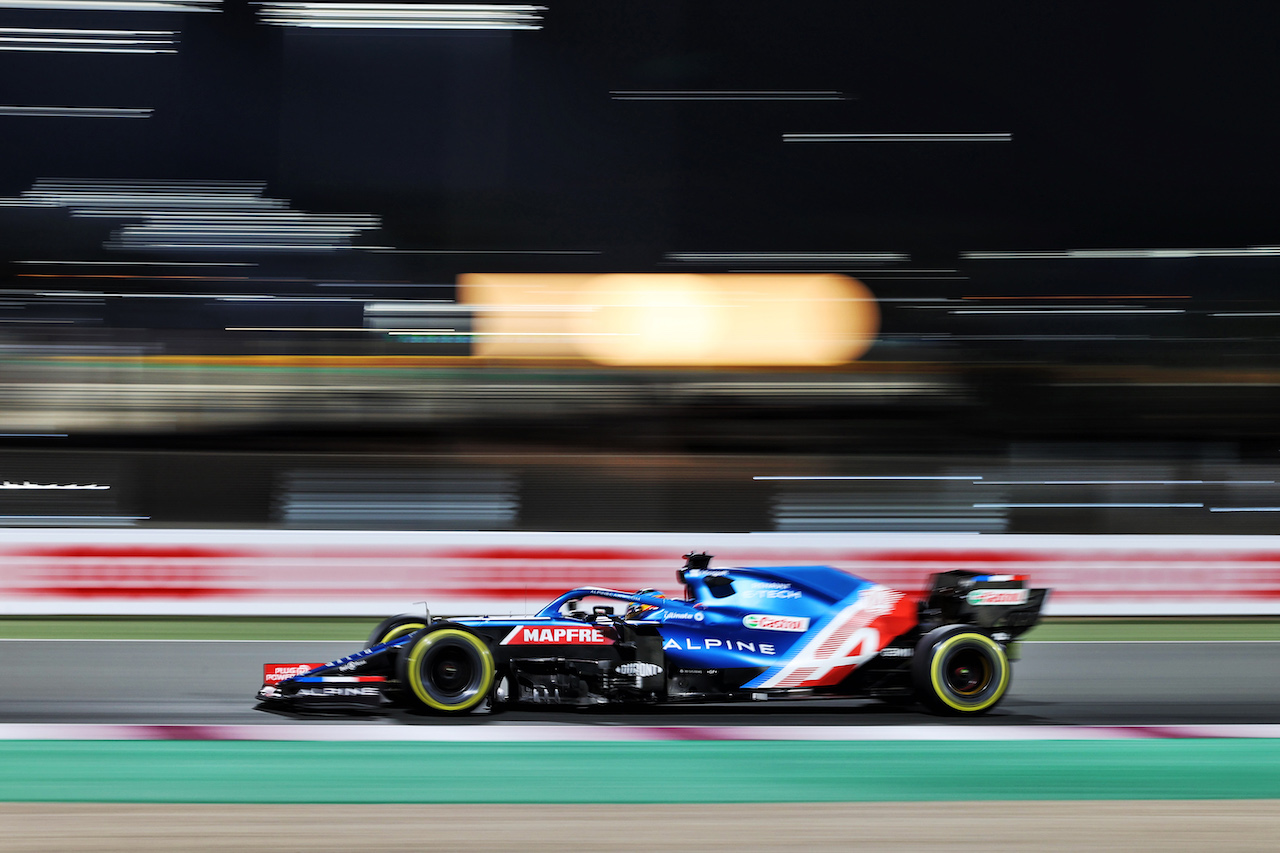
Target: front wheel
448	670
959	670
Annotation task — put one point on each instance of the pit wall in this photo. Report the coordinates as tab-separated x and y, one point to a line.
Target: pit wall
360	573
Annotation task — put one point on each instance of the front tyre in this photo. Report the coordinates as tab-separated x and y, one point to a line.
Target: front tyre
447	670
959	670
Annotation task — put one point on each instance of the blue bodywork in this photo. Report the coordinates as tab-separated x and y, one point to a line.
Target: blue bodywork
731	619
734	634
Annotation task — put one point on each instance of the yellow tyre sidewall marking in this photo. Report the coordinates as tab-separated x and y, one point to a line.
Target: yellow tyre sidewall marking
400	630
422	646
940	654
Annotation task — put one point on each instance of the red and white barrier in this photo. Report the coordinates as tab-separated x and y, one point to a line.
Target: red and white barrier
313	573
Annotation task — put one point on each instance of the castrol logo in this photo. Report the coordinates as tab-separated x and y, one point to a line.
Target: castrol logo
763	622
980	597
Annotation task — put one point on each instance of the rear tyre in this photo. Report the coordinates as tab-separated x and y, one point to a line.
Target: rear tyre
394	627
960	671
447	670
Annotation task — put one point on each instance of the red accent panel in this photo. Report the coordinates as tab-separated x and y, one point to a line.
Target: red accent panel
556	635
895	623
274	673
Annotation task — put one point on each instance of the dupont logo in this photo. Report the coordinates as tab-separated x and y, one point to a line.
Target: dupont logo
980	597
761	622
640	668
559	635
274	673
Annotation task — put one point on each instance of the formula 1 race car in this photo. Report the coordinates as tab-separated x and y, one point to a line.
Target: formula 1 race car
739	634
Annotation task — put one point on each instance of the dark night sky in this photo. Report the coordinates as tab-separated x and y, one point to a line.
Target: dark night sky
1141	125
1134	125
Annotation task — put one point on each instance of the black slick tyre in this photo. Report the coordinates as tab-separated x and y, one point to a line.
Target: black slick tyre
960	671
447	670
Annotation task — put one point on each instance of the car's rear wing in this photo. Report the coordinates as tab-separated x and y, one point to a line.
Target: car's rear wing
999	602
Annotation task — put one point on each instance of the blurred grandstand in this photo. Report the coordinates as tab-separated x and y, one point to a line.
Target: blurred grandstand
580	268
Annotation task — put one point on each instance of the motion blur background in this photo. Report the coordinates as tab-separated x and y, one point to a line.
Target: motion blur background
640	266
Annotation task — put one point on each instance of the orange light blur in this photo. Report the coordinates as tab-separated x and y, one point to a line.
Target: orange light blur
672	320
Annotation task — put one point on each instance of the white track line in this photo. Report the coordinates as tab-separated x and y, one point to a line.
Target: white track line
1131	642
154	640
498	733
151	639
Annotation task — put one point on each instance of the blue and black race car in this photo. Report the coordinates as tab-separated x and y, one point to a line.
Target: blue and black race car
738	634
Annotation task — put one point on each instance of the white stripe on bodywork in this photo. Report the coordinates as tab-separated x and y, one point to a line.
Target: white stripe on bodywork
872	602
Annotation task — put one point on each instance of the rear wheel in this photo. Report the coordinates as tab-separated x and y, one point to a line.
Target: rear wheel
394	627
447	670
959	670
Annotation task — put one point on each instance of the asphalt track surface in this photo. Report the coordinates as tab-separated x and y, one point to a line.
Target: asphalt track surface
1055	683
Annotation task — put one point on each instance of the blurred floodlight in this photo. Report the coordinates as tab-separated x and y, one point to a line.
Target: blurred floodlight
71	520
1123	254
116	5
413	16
475	499
897	137
821	504
76	112
818	477
673	320
46	40
27	485
1087	505
183	215
88	263
1018	309
728	95
786	257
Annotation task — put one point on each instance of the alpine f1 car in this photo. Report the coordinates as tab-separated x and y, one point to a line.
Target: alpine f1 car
738	634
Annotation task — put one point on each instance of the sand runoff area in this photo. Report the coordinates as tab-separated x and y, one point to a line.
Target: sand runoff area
980	827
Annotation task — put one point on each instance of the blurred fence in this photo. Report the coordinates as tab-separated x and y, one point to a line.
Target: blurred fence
301	573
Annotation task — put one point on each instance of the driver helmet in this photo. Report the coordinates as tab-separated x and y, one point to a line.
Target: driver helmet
640	609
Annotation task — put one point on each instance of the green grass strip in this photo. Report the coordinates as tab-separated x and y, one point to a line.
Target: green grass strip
648	772
1152	629
343	629
356	629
